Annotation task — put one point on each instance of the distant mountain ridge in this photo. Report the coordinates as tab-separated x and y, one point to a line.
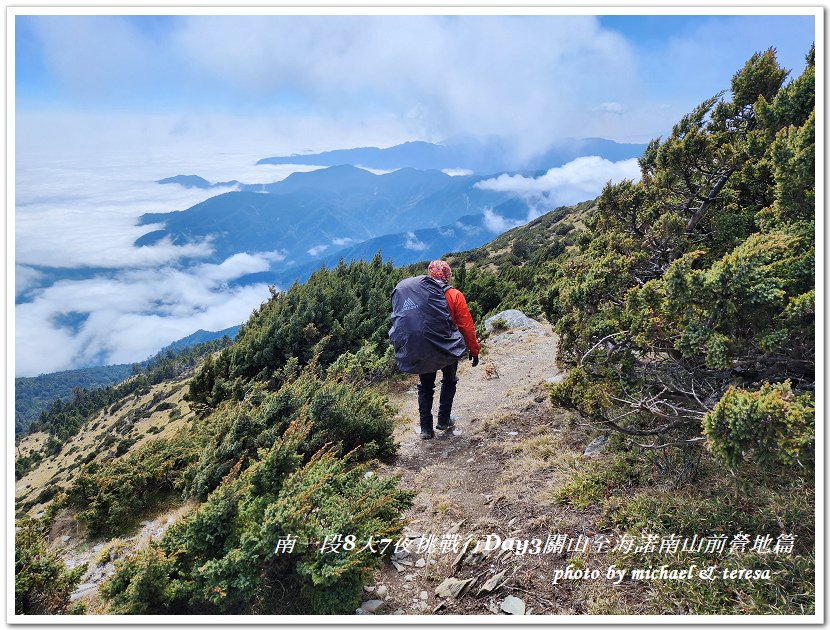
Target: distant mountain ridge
412	246
201	336
489	156
310	212
194	181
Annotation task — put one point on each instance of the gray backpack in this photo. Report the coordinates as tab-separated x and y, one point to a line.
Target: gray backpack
423	333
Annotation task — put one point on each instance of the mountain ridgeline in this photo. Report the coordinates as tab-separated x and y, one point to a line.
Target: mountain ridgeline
313	211
415	212
490	155
684	308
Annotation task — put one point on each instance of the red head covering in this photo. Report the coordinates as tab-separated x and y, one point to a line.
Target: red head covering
440	270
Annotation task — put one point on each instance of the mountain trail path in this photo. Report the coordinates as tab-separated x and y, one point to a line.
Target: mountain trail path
493	474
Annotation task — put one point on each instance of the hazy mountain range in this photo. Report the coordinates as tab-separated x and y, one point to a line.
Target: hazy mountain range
413	213
326	210
488	156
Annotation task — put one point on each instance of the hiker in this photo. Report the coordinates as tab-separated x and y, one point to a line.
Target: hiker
431	330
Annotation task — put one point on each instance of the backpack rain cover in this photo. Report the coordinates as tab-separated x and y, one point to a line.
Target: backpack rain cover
423	333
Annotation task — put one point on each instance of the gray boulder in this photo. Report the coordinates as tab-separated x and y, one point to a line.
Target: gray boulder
513	319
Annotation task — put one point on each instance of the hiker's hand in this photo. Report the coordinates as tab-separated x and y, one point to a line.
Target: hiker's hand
474	359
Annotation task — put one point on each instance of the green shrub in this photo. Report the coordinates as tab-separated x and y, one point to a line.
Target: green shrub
221	559
701	275
124	446
499	325
111	495
363	367
578	391
23	465
353	418
771	425
747	501
601	478
42	584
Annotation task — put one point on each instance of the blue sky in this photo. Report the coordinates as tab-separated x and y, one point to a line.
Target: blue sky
108	105
623	77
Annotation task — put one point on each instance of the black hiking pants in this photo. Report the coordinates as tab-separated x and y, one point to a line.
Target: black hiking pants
426	392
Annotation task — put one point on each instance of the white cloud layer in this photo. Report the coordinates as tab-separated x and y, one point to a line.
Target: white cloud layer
497	224
428	76
317	249
133	313
80	212
455	172
578	180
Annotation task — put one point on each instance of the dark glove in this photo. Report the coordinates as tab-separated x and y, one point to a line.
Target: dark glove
474	359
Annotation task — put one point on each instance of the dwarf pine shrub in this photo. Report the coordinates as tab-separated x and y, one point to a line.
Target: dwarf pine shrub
772	425
222	559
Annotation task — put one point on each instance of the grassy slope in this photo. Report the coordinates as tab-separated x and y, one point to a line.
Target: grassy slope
131	418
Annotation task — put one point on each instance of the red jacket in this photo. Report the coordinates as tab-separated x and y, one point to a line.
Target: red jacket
462	319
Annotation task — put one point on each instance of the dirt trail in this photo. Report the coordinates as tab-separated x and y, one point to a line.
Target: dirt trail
492	476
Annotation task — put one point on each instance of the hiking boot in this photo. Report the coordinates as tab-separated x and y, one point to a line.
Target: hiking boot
443	425
427	436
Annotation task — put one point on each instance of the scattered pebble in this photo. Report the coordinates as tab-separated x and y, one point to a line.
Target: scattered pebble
381	590
420	562
424	595
596	446
452	587
373	605
513	605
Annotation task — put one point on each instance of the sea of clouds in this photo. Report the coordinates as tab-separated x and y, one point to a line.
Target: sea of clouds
126	301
